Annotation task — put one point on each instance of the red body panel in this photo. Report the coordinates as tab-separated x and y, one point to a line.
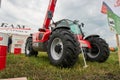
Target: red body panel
79	37
44	38
83	42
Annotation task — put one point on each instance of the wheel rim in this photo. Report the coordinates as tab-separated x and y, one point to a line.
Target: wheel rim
95	51
56	49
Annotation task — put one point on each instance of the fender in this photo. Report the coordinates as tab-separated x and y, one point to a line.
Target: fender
91	36
86	43
61	27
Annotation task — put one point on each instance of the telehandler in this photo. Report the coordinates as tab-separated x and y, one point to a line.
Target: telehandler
62	41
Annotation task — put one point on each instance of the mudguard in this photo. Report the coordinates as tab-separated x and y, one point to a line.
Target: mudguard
91	36
85	42
59	27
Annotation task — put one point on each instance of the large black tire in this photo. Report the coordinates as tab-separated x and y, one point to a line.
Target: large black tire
28	48
63	48
100	50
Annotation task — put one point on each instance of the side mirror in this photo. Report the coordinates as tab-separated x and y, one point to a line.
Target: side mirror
76	21
82	24
50	14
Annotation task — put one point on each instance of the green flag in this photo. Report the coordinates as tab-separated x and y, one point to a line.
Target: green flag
114	22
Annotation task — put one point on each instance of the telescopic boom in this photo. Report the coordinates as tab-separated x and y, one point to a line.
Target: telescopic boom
49	14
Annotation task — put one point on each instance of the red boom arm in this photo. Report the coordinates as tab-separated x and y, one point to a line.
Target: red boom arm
51	8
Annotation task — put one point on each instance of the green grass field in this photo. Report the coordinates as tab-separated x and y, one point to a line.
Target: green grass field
40	69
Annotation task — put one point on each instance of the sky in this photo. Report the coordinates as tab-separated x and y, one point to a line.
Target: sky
32	13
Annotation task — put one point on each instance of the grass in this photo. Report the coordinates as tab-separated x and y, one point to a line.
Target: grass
40	69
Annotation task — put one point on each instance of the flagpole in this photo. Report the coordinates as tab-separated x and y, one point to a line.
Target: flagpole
0	3
118	45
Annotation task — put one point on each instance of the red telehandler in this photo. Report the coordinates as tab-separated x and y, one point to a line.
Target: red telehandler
62	41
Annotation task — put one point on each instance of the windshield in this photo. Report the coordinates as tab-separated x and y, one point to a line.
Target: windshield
74	27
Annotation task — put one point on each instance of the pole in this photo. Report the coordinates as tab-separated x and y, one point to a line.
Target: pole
0	3
83	54
118	45
81	47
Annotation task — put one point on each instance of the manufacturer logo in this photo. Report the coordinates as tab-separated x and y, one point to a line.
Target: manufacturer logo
1	38
111	22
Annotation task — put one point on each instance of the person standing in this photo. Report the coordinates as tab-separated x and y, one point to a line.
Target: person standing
9	43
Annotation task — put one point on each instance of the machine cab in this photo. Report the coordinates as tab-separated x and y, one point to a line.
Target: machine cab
73	25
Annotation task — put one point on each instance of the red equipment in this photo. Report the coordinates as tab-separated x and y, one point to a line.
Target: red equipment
62	41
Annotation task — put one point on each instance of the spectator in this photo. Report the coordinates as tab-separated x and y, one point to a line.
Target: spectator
9	43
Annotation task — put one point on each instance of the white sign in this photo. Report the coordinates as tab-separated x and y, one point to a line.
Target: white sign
18	41
14	29
3	39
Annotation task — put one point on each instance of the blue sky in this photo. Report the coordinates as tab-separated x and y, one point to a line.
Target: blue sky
32	13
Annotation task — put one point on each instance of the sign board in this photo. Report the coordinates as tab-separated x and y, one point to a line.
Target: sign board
14	29
114	22
18	41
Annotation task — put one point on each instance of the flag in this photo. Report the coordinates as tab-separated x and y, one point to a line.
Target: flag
105	8
112	9
114	22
